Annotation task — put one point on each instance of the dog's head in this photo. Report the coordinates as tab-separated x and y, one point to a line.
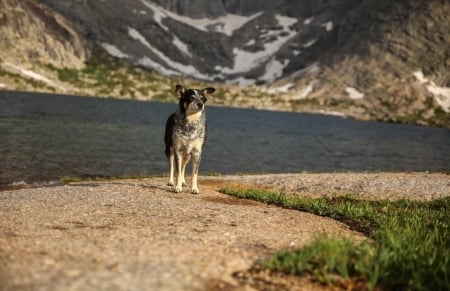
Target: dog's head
193	100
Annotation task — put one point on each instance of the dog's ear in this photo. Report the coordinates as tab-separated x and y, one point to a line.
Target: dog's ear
180	91
208	91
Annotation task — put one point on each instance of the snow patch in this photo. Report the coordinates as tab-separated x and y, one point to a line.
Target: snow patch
308	90
333	113
225	24
34	75
114	51
440	94
310	43
420	77
273	70
37	76
245	61
328	25
314	67
181	46
147	62
308	20
178	67
281	89
353	93
158	15
250	42
242	81
285	21
19	183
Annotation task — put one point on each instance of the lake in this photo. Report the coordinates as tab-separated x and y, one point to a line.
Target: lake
45	137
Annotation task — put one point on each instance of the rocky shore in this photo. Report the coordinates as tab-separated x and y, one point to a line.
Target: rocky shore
139	235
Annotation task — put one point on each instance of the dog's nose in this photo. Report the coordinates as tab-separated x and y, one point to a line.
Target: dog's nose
199	105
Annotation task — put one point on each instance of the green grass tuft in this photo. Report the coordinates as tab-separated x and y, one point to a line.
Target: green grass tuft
410	248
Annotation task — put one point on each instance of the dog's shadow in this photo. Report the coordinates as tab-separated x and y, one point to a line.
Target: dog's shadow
131	185
163	187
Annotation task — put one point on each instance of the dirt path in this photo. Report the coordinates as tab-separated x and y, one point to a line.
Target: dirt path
138	235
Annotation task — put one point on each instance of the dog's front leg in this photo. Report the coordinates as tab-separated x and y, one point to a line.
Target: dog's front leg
180	178
195	167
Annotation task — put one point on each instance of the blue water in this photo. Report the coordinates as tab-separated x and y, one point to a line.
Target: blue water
44	137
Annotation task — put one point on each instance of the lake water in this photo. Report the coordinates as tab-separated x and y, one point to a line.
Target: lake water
44	137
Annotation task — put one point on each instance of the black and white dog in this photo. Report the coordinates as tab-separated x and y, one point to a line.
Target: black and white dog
185	135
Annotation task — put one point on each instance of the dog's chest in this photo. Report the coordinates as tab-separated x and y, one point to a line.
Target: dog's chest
189	130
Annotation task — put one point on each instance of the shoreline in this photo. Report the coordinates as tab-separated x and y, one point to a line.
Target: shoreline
314	184
270	105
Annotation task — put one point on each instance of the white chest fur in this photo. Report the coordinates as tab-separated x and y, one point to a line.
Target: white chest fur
194	117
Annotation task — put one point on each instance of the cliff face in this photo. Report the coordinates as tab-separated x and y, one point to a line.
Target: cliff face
372	59
33	39
31	32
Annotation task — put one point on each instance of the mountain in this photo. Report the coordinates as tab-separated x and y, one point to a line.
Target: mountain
369	59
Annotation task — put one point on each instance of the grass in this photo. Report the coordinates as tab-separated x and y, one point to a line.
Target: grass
409	250
109	76
440	118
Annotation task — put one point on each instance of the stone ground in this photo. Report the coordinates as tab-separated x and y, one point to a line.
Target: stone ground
140	235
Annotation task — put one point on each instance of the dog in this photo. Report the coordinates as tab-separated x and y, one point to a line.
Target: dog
185	135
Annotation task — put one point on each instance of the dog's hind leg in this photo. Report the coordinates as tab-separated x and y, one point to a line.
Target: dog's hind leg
171	169
195	167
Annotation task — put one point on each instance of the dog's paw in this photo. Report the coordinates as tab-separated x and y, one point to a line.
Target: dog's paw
170	183
195	191
178	189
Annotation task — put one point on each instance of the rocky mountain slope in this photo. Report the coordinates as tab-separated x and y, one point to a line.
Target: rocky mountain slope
31	34
378	60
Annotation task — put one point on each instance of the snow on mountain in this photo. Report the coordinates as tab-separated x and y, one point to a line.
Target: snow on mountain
306	91
114	51
328	25
183	47
245	60
226	24
178	68
34	75
240	43
354	93
440	94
